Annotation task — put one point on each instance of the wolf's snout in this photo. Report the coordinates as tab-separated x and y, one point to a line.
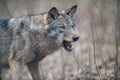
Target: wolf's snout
75	37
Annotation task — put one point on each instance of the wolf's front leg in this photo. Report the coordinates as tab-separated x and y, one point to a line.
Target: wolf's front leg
33	67
14	69
11	72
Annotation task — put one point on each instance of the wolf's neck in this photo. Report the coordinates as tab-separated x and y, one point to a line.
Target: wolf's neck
53	45
43	43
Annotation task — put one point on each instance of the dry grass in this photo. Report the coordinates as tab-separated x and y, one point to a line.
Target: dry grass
96	55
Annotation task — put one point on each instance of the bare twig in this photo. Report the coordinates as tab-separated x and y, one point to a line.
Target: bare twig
4	2
117	35
94	51
116	65
103	59
90	74
63	66
80	66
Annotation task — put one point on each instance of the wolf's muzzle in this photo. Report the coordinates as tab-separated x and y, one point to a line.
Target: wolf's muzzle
75	37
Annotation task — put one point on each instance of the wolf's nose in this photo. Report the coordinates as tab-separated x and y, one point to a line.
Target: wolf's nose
75	38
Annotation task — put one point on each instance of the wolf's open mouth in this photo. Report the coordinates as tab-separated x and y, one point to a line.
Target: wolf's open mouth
67	45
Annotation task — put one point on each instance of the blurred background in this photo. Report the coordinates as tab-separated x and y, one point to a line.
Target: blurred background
95	55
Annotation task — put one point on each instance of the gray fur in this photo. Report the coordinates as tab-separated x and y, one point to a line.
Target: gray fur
26	40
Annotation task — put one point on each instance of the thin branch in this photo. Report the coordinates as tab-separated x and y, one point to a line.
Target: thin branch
90	74
103	59
80	66
94	51
117	35
4	2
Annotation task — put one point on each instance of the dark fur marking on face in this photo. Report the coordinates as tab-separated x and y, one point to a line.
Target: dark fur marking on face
73	25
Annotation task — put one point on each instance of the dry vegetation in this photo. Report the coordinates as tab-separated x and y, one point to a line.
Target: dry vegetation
96	54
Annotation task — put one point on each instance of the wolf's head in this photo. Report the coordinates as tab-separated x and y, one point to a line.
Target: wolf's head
63	27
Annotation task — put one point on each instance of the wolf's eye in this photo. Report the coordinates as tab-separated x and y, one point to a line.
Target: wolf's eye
62	26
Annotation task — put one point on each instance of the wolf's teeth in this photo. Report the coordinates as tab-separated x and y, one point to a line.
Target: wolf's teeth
68	47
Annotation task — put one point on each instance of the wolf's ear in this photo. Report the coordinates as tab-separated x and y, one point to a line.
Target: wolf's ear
71	11
53	13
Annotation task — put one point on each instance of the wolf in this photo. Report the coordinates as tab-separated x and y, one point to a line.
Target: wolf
29	39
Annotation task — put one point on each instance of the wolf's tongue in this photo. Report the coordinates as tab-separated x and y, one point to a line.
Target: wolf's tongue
69	44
